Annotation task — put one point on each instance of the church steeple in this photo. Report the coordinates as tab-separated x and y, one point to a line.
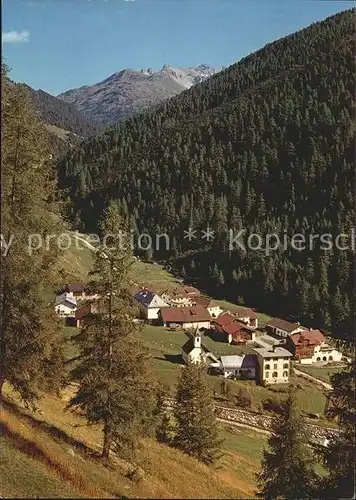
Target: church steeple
197	339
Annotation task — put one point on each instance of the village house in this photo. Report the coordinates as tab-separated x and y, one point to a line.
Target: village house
214	309
283	328
237	366
222	321
309	347
186	317
238	333
193	351
180	297
65	305
326	354
82	313
232	330
79	291
150	304
248	316
273	365
303	344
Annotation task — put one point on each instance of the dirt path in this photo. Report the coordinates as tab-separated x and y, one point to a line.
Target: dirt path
86	243
313	379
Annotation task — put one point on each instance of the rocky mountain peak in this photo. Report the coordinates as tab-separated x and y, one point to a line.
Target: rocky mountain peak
129	91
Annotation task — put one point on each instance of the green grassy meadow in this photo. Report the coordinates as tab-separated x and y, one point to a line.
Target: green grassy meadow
322	373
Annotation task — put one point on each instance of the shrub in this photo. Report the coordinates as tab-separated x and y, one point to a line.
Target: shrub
243	398
272	404
136	475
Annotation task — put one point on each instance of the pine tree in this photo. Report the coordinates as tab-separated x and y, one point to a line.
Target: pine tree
163	421
197	431
116	386
339	456
30	349
286	470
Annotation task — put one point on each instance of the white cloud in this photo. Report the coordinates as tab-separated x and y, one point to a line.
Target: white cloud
15	37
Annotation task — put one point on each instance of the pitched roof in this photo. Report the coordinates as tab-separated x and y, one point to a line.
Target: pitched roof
150	298
277	352
182	292
224	319
282	324
310	337
236	326
245	312
65	297
185	314
245	361
76	287
205	302
84	311
190	290
189	346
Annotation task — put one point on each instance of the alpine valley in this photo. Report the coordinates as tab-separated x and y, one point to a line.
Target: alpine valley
264	146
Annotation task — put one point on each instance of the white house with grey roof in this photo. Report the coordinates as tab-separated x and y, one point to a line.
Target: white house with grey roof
273	365
238	366
283	328
150	304
65	305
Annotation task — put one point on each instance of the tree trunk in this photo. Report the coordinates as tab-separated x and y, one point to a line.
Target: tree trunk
2	381
107	441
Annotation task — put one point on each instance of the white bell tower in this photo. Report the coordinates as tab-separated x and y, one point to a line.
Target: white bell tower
197	339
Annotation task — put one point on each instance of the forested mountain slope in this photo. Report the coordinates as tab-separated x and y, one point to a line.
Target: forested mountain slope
65	124
266	145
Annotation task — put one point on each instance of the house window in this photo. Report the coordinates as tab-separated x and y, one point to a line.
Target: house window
285	374
285	365
274	374
324	358
318	359
275	366
267	375
330	358
267	367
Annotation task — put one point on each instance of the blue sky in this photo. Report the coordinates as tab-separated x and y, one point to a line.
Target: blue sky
60	44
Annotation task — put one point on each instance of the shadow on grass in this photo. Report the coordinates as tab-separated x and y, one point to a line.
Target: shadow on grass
47	456
215	336
53	431
172	358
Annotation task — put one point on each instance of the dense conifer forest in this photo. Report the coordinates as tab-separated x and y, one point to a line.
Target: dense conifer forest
266	145
54	111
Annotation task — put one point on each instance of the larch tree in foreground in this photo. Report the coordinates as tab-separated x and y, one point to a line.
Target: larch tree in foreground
30	351
196	429
287	470
340	454
116	386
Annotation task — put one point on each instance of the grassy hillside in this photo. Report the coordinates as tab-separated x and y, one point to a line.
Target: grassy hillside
27	477
53	453
321	372
60	452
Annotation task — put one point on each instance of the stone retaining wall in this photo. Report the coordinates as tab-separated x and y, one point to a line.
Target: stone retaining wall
263	421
